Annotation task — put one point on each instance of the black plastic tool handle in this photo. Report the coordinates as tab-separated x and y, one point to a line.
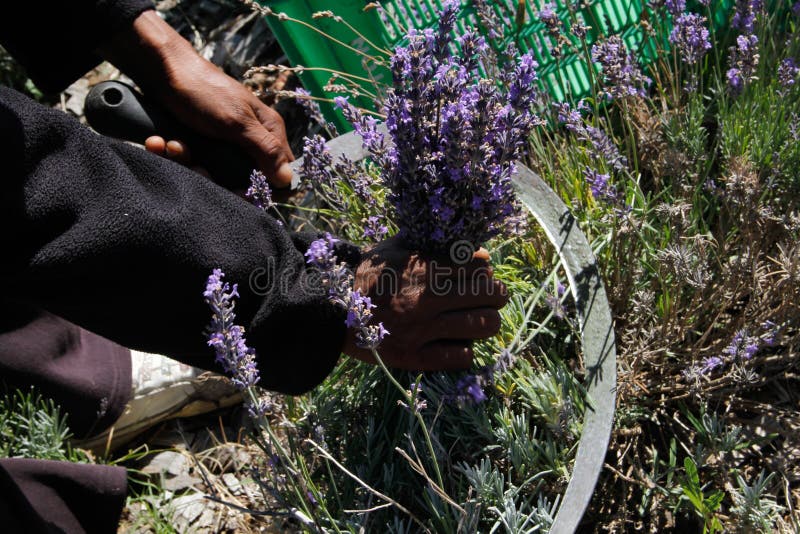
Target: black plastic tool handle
116	109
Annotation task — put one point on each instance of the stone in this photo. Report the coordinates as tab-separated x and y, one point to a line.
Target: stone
170	462
181	482
233	483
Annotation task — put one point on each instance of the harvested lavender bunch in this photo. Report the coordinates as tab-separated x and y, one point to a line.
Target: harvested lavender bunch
455	138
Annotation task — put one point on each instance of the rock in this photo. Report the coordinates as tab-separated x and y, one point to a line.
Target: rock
233	483
188	508
181	482
170	462
206	521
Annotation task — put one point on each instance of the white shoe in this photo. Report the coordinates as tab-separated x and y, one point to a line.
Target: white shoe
163	389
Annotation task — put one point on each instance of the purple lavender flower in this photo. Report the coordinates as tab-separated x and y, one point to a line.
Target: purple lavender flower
742	346
335	276
374	228
600	184
317	161
493	24
622	75
711	363
359	311
311	107
454	139
600	146
744	15
259	191
320	253
580	30
447	19
571	117
735	80
603	148
414	391
796	9
787	72
691	37
357	178
339	281
469	390
227	338
675	7
771	330
744	60
549	18
366	127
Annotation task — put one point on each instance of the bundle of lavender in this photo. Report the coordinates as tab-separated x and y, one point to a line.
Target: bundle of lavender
453	138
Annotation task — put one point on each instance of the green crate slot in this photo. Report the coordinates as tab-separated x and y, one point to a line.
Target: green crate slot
569	77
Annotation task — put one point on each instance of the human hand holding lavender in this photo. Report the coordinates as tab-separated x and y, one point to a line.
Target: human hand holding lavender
433	306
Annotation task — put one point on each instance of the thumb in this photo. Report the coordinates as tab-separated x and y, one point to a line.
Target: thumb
266	142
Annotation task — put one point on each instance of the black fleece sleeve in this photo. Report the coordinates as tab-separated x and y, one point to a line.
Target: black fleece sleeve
121	242
56	39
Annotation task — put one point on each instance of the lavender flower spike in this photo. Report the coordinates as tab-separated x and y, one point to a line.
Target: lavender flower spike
744	60
787	72
690	37
227	338
313	110
622	75
675	7
742	346
339	282
470	390
259	191
549	18
744	15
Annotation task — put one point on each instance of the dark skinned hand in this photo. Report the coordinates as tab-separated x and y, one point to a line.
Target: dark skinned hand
200	95
432	318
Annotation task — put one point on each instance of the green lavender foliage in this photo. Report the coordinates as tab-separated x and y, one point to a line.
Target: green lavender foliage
32	426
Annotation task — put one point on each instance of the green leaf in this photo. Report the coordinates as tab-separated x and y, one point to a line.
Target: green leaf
691	471
714	500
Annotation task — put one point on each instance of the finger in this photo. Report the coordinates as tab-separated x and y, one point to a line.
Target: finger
266	142
454	295
479	323
177	151
472	268
442	356
155	144
481	254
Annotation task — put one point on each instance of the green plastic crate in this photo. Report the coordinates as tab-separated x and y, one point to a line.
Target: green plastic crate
569	77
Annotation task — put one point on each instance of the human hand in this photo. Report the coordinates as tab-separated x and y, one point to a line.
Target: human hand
200	95
433	308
